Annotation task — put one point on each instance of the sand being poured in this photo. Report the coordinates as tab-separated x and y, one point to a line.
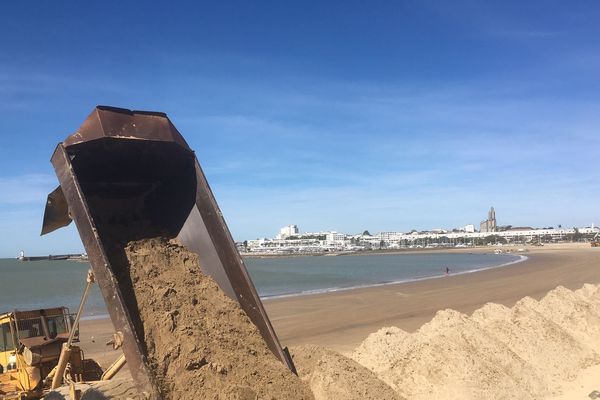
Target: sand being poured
200	344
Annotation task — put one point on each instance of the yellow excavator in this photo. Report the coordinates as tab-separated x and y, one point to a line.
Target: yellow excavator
38	357
30	346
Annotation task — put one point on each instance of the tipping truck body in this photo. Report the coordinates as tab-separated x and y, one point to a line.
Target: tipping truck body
129	175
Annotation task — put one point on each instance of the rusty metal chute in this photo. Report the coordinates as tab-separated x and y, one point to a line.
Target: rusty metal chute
128	175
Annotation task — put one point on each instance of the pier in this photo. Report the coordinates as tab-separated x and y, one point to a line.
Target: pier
57	257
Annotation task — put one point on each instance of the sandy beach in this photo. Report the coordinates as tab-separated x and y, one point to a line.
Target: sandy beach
342	320
528	329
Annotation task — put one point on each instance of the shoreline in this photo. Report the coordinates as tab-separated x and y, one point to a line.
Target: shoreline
379	252
521	258
342	320
266	298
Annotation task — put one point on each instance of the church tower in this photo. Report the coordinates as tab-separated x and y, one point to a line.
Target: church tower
489	225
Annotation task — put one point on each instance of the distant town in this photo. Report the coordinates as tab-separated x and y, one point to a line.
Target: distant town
290	240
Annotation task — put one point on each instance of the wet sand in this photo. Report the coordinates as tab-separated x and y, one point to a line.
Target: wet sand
341	320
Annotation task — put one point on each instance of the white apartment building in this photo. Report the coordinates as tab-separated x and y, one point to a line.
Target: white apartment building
390	236
334	237
287	231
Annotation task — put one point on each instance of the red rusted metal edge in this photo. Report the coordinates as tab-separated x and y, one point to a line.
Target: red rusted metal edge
115	122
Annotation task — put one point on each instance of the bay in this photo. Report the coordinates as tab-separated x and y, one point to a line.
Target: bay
38	284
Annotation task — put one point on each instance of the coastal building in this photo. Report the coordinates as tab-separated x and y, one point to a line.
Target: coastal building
287	231
334	237
390	236
333	241
489	225
374	242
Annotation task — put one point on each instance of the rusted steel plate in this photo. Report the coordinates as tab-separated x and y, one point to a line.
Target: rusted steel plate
56	214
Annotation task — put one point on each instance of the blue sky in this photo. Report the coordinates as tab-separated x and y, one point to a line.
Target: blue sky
345	115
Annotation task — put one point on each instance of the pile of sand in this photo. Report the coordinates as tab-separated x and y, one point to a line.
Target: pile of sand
528	351
333	376
200	344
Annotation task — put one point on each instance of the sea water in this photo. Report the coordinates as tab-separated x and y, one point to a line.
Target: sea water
37	284
279	277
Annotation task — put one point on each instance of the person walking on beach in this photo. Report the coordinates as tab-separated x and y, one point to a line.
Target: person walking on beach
447	271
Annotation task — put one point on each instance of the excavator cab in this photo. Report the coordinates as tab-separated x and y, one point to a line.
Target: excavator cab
30	344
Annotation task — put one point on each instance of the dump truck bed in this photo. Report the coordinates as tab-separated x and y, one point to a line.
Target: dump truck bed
129	175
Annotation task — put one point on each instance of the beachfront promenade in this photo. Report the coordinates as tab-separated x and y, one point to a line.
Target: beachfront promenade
332	241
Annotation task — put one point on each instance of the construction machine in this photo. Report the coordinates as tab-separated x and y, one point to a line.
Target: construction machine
595	241
30	346
130	175
38	355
